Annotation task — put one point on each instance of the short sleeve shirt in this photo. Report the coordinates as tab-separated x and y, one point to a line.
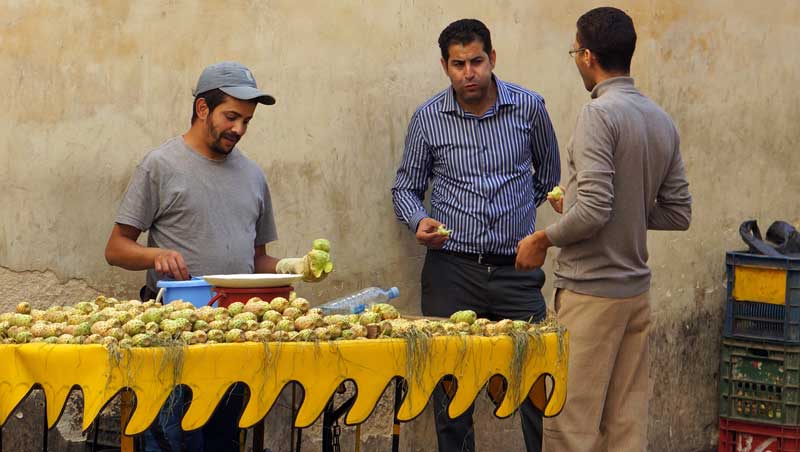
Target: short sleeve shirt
213	212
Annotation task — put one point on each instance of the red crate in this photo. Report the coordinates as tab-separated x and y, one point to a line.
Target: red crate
226	295
738	436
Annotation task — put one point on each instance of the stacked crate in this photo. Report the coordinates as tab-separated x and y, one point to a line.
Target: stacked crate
760	367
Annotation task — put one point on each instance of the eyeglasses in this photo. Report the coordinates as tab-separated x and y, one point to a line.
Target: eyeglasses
572	52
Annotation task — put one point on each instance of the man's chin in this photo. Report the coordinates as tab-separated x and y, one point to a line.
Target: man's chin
221	150
472	96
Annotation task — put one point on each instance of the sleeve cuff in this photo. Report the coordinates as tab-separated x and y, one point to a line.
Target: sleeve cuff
554	234
413	222
130	221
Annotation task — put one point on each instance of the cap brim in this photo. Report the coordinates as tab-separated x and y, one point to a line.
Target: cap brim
248	93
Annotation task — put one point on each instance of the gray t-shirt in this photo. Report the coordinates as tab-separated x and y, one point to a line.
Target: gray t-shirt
213	212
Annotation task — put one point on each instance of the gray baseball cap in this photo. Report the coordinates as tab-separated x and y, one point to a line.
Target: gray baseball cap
232	79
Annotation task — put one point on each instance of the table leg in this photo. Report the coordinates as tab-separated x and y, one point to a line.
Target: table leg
291	422
398	399
44	426
258	436
125	408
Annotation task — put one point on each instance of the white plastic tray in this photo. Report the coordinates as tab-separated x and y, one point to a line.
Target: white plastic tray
248	281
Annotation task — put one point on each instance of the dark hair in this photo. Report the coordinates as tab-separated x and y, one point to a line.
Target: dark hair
609	34
213	99
463	32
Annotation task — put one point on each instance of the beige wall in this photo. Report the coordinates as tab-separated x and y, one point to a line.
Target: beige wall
90	87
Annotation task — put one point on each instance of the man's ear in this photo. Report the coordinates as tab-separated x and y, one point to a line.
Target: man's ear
444	65
492	57
589	58
201	108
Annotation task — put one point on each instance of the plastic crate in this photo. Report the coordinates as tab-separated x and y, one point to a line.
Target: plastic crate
763	302
760	382
225	296
738	436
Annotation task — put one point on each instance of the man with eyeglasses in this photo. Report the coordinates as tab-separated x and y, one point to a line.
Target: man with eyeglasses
625	176
489	150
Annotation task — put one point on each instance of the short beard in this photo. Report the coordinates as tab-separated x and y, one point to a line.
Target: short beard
216	145
218	149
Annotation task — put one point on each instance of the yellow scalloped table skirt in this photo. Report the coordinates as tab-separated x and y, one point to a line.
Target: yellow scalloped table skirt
209	370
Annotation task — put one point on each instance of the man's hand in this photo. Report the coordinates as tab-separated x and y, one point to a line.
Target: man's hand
299	266
532	250
556	199
171	264
314	266
428	234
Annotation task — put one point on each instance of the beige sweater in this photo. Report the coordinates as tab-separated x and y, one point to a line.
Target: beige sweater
625	175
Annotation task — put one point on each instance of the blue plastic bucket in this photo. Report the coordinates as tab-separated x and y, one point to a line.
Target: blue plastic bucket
196	291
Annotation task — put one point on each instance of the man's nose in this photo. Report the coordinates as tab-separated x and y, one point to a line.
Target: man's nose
239	128
469	71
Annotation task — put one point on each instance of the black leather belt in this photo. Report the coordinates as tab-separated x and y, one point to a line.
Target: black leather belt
485	259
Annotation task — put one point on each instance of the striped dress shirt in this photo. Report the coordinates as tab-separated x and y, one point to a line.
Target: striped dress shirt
488	172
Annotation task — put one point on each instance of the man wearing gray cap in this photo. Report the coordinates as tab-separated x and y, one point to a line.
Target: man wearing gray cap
208	210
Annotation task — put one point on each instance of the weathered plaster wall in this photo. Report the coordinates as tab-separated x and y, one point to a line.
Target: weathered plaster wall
90	87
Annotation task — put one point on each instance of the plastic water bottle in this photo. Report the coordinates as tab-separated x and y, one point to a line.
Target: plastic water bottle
359	301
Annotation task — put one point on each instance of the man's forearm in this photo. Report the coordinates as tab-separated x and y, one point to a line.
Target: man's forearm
673	208
128	254
265	264
589	214
670	217
408	207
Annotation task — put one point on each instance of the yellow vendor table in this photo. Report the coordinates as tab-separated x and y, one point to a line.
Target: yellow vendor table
209	370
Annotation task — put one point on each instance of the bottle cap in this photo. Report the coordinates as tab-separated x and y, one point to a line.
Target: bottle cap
393	292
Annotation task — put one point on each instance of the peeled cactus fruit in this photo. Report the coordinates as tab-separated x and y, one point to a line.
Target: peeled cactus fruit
322	245
369	317
245	316
556	193
285	325
234	335
134	327
386	311
142	340
304	322
272	316
21	320
466	316
318	259
216	335
257	308
300	303
236	308
292	313
279	304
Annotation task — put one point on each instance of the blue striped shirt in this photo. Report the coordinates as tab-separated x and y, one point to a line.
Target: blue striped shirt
488	172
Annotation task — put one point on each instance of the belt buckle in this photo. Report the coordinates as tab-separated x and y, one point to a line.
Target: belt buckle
480	259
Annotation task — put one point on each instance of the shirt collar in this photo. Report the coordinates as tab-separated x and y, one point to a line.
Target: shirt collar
611	84
503	94
450	105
